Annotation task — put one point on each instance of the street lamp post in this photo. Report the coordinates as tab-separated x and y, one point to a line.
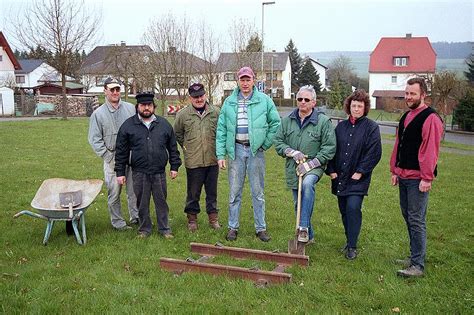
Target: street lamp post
263	47
271	79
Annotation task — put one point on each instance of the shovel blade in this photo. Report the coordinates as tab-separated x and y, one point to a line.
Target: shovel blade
295	247
73	198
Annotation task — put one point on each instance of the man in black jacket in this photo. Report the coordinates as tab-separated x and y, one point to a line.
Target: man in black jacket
147	142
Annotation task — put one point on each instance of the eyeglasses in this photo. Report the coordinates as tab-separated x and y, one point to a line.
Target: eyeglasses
300	99
115	89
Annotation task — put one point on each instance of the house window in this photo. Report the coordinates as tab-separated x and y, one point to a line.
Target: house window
230	76
175	82
394	79
269	76
20	79
400	61
1	58
99	80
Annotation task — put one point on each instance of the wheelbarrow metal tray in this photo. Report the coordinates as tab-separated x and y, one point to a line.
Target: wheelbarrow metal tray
46	200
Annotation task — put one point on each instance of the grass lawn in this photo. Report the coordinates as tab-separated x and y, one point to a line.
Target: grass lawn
118	273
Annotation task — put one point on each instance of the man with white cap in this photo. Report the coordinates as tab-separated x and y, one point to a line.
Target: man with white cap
247	124
104	124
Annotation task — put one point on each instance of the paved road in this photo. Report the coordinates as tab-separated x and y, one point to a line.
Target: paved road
389	127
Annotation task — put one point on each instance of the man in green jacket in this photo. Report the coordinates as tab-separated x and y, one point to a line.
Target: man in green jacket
247	124
195	129
307	140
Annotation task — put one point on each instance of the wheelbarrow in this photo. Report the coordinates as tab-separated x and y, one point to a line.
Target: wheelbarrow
60	199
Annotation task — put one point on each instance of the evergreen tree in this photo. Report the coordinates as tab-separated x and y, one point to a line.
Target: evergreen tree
470	73
339	91
296	62
254	44
309	75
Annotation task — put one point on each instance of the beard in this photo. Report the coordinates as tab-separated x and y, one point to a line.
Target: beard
145	114
415	104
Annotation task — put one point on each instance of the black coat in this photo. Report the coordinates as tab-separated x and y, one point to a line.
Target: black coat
146	150
359	149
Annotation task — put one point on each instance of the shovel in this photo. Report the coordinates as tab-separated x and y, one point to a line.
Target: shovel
295	247
70	200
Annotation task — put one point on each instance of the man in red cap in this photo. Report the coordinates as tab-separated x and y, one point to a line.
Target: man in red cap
247	124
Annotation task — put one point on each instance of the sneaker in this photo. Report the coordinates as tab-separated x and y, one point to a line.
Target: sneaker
168	236
351	253
311	241
410	272
142	235
263	236
231	235
404	262
123	228
303	235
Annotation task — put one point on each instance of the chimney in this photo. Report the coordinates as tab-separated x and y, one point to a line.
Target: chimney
122	43
408	36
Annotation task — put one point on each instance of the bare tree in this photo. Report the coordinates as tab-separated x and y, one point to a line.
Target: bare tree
241	32
209	49
171	39
62	27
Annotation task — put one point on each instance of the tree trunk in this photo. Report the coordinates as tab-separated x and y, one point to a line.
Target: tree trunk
64	97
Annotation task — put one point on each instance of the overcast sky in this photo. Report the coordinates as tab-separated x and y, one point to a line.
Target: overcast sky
314	25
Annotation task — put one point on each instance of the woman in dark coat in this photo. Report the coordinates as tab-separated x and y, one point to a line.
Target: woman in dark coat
359	149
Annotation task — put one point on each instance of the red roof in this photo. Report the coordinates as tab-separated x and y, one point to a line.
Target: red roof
420	53
8	50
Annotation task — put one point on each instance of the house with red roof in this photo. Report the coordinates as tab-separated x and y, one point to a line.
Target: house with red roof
393	62
8	65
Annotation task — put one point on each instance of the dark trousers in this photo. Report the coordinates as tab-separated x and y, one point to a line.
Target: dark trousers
413	204
351	214
196	178
144	186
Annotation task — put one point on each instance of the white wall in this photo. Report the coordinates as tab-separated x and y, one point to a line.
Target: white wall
31	79
7	102
7	69
322	74
286	77
383	81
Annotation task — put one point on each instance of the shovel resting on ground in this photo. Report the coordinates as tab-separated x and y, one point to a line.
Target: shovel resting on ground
70	200
295	247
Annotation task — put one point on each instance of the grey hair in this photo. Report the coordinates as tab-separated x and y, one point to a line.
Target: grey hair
307	88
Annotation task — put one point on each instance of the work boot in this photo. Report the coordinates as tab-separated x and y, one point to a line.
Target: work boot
214	221
351	253
412	271
263	236
231	235
192	222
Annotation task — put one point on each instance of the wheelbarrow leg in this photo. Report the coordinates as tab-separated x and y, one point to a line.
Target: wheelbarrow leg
76	231
47	233
83	226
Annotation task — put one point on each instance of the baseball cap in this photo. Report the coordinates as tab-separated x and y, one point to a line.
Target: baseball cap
111	83
196	90
245	72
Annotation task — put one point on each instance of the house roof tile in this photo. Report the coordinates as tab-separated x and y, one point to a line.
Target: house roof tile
420	53
232	62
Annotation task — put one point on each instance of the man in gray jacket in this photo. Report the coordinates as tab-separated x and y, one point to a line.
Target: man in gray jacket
103	128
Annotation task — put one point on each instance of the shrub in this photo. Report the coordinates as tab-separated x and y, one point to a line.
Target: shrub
464	112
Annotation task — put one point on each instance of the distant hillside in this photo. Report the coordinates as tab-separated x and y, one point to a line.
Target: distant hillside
444	50
449	56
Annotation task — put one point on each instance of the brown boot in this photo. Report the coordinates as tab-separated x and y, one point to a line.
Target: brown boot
192	222
213	221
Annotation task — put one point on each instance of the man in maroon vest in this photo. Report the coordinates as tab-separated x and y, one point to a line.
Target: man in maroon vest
413	168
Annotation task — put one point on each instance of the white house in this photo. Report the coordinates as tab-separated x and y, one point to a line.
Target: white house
8	65
274	63
35	72
321	69
393	62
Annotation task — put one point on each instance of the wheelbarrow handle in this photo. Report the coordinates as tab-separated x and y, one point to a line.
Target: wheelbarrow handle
31	214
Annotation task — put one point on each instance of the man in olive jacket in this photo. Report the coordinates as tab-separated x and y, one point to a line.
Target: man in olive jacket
247	124
195	129
307	140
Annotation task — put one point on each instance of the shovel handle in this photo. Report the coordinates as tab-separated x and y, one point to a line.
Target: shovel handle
71	213
298	203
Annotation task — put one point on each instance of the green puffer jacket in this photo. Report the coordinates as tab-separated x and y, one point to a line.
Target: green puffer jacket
196	134
315	139
263	123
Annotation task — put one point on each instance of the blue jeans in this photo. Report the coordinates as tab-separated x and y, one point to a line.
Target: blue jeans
254	166
308	196
413	204
351	214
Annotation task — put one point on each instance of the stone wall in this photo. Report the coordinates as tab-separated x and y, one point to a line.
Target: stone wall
77	105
